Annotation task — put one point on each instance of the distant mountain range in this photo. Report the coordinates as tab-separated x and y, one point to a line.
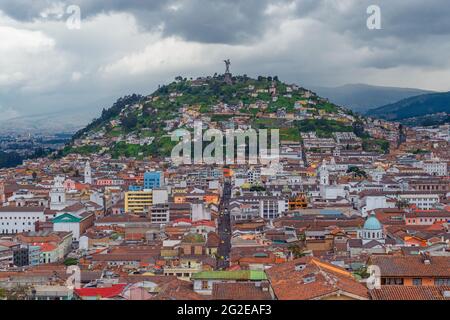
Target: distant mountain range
46	122
363	97
424	109
51	120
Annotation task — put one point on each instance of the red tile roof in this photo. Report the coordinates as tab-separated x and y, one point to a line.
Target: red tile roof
108	292
208	223
310	278
412	266
409	293
213	240
45	247
240	291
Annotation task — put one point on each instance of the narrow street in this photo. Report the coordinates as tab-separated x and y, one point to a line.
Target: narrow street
224	229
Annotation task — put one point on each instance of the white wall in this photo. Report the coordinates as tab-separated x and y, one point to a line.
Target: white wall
17	222
84	243
372	203
199	212
68	226
160	196
332	192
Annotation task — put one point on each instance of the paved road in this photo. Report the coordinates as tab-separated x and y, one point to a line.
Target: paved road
224	228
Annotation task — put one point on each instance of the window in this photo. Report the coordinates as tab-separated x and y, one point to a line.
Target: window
392	281
205	285
417	281
442	282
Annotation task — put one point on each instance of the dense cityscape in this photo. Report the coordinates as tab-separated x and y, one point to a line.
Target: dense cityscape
354	207
224	159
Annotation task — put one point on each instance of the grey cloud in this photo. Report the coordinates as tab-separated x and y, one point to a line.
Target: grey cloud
338	48
218	21
237	21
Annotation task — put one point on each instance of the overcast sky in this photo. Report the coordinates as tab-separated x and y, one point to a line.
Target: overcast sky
126	46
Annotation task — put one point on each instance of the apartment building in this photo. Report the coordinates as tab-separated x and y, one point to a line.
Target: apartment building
20	219
138	201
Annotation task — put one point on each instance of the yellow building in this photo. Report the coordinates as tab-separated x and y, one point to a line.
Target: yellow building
299	202
138	201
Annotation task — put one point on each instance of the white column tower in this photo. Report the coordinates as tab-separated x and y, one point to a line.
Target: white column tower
58	194
324	175
87	173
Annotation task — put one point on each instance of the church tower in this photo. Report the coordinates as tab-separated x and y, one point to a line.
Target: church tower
58	194
324	175
87	173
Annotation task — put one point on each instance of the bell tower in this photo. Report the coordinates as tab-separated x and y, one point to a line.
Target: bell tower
58	194
87	173
324	175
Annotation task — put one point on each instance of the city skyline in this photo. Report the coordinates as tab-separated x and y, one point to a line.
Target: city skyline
211	153
128	46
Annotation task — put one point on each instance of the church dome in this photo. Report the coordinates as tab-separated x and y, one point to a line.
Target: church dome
372	223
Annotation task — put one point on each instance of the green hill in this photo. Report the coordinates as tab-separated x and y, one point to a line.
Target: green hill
415	108
139	126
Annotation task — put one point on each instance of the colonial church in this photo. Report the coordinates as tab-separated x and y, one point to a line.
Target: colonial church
371	238
58	194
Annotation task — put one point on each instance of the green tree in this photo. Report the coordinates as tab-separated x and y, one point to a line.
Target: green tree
358	128
297	251
357	172
70	262
257	188
129	122
362	272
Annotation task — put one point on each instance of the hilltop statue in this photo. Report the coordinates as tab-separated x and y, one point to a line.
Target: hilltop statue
227	78
227	65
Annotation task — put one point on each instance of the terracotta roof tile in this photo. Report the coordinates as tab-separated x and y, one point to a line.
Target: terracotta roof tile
240	291
410	293
397	266
310	278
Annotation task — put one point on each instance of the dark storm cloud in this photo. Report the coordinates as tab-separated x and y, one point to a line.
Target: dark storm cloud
405	20
218	21
238	21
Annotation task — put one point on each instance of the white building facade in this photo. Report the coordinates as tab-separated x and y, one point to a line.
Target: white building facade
20	219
